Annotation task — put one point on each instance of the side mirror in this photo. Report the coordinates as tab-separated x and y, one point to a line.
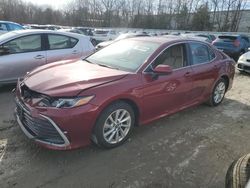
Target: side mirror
163	69
248	49
4	51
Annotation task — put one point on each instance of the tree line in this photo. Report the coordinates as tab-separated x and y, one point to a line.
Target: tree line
217	15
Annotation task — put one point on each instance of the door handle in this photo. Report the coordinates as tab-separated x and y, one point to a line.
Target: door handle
187	74
39	57
75	52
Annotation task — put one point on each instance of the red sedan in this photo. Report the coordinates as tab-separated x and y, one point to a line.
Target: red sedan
132	82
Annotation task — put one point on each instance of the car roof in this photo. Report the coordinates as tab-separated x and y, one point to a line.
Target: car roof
1	21
17	33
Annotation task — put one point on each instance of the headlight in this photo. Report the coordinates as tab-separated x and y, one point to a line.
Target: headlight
65	102
242	58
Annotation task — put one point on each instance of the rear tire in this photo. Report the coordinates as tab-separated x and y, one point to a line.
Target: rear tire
114	125
218	93
238	173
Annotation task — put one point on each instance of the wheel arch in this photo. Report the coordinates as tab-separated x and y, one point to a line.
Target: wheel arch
127	99
226	78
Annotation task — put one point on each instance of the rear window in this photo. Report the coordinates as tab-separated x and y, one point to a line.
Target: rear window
101	32
227	37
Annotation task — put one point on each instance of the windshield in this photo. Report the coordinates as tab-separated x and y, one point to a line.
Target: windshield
126	55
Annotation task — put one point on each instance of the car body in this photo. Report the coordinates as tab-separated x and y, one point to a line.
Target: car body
159	76
120	37
86	30
101	35
243	64
197	36
232	45
6	26
21	51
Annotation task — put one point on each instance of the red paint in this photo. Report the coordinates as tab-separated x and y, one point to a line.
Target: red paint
154	98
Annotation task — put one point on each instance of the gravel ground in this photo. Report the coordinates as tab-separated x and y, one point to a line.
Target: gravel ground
190	149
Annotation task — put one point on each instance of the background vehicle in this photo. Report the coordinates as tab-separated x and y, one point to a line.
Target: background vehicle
79	31
243	64
120	37
6	26
198	36
22	51
150	77
101	35
232	45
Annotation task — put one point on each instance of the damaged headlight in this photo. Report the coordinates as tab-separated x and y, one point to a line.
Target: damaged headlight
65	102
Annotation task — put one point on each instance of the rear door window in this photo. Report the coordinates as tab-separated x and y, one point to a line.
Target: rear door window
15	27
61	42
200	53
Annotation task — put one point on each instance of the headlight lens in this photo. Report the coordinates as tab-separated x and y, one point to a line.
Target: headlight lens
65	102
243	58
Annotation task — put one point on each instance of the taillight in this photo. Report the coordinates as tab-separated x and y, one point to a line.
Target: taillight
236	43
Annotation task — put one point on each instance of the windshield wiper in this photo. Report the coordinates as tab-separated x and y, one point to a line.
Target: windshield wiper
103	65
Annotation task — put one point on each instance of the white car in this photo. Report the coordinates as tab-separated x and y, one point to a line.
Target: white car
22	51
101	35
243	64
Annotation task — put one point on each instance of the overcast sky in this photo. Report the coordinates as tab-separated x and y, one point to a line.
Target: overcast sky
56	4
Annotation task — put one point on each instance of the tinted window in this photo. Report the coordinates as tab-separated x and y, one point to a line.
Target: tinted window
211	54
24	44
199	53
173	56
101	32
15	27
61	42
3	27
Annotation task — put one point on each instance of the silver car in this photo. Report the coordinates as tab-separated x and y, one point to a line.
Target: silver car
22	51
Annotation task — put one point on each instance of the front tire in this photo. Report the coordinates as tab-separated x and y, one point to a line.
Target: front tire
114	125
218	93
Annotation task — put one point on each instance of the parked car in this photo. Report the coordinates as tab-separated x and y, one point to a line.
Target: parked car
130	82
210	37
22	51
6	26
243	64
101	35
120	37
87	31
232	45
78	31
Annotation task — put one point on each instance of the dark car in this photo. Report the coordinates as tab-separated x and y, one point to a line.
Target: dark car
232	45
131	82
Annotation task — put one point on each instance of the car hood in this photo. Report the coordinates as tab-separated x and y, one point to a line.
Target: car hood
69	78
247	55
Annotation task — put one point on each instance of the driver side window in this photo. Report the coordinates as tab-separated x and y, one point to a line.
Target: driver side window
172	56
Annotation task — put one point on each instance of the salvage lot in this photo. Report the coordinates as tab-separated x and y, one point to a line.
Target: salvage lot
192	148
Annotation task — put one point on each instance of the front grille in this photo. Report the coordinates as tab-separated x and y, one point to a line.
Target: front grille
40	129
245	67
